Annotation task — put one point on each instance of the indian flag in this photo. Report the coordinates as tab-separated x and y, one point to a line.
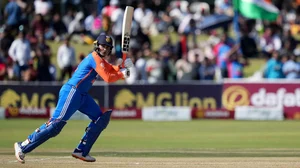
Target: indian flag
256	9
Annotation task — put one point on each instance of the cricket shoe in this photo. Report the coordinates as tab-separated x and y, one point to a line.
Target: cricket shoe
18	152
78	155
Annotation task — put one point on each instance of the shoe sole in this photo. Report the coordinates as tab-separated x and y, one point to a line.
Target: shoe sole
17	155
83	159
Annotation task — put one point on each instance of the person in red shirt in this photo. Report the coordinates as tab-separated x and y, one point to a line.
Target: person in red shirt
2	71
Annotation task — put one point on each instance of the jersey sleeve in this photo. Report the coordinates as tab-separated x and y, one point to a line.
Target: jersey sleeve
107	72
116	68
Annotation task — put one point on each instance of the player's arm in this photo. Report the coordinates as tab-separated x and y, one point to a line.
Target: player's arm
105	70
116	67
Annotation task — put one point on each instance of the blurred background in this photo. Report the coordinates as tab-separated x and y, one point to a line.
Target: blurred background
210	56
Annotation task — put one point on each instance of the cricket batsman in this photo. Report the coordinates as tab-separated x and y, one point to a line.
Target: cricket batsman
74	96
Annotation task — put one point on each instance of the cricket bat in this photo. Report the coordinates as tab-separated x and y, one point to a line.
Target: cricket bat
126	31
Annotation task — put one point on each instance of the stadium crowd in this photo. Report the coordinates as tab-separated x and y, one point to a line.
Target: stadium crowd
26	26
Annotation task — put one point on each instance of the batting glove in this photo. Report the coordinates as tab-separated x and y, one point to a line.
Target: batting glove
128	63
125	72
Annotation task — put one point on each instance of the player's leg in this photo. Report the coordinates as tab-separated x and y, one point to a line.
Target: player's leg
68	103
92	132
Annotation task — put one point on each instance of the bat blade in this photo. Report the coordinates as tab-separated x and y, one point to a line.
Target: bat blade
126	31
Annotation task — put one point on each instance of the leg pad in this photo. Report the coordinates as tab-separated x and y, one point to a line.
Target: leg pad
93	131
42	134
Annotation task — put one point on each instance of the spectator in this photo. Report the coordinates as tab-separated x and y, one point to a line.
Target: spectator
165	22
147	15
270	42
235	68
67	18
96	26
289	42
58	27
169	68
139	39
291	68
228	40
186	68
144	16
169	59
19	51
10	70
2	70
26	15
45	48
31	73
71	4
181	47
140	64
88	22
66	59
273	68
154	68
167	45
42	7
5	42
222	52
13	13
188	20
111	8
106	24
43	69
77	24
248	45
176	15
198	52
32	38
207	70
224	7
117	21
39	25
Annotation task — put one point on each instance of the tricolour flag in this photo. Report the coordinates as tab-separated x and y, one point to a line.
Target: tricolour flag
256	9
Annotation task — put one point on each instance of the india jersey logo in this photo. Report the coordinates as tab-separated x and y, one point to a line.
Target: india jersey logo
102	65
108	39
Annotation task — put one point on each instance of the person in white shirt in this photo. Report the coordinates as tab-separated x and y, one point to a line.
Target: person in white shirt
89	20
270	41
42	7
140	65
154	68
117	21
77	24
19	51
66	59
290	68
144	16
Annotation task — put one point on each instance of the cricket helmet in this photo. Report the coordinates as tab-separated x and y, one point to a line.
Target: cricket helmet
105	40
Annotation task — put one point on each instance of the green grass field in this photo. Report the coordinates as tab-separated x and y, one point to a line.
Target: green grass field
198	138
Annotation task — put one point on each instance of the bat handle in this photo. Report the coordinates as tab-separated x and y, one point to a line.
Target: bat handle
123	57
